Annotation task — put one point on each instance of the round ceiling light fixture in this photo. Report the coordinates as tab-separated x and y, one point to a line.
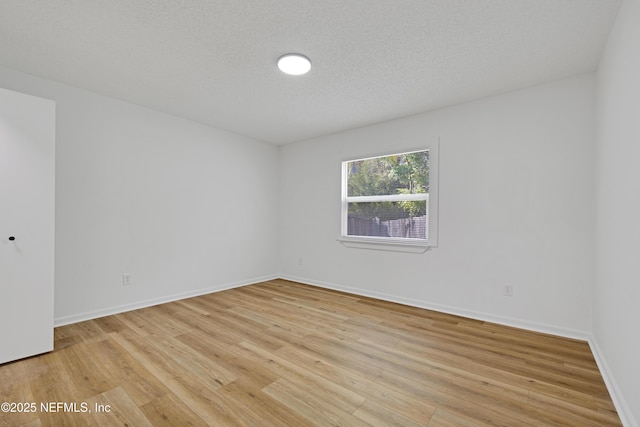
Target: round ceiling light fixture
295	64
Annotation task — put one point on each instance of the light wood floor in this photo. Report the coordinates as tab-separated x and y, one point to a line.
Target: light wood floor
285	354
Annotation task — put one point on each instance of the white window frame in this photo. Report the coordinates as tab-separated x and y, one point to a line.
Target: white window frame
391	243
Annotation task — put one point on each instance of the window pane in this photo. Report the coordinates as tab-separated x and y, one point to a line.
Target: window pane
398	174
388	219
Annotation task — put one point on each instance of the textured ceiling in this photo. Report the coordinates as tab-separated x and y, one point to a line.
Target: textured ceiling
213	61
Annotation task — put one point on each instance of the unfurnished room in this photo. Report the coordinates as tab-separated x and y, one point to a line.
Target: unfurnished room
306	213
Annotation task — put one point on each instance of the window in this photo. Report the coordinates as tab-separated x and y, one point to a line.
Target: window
390	202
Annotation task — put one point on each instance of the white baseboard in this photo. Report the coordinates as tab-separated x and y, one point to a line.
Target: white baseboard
624	412
80	317
477	315
503	320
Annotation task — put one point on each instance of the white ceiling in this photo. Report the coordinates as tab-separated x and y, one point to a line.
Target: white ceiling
213	61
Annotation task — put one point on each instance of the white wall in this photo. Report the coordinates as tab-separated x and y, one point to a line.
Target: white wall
617	291
516	207
182	207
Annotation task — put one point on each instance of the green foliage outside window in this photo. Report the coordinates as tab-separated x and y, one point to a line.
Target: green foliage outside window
398	174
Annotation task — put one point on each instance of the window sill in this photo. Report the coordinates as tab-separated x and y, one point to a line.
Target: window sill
394	245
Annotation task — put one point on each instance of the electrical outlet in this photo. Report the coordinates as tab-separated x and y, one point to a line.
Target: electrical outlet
126	280
300	261
508	291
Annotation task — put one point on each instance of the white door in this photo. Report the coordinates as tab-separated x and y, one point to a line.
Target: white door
27	164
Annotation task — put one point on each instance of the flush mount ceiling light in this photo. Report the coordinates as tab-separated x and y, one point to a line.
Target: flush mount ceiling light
294	64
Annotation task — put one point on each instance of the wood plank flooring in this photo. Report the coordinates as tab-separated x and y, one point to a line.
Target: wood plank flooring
285	354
